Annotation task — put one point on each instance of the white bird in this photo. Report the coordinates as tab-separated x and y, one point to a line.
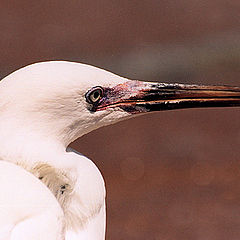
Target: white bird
49	191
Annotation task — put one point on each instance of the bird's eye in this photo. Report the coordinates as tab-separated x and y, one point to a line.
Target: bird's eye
94	95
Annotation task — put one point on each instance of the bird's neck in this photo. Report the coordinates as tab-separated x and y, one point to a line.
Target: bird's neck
74	180
20	143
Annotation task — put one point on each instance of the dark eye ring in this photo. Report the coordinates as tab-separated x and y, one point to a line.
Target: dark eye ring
94	95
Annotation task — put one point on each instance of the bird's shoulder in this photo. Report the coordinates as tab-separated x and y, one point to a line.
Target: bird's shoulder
73	179
77	184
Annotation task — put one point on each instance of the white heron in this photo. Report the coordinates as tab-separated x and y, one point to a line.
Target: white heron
47	190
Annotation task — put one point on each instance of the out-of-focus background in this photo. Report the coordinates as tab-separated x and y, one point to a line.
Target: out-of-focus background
169	175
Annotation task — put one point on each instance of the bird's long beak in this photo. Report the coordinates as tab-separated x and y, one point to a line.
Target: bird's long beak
139	97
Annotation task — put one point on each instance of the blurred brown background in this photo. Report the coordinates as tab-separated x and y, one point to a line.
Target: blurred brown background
169	175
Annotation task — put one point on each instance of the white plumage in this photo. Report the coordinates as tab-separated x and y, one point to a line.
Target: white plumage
40	114
28	210
49	191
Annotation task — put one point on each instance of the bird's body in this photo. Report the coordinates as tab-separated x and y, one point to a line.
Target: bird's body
46	106
76	192
24	213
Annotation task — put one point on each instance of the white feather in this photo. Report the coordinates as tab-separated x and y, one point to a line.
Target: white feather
42	110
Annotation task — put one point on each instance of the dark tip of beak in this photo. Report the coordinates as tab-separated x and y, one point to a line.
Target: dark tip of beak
159	97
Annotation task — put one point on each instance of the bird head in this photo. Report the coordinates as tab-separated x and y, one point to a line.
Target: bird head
65	100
